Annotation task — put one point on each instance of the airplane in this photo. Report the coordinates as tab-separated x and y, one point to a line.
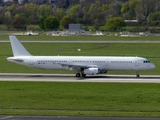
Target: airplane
84	65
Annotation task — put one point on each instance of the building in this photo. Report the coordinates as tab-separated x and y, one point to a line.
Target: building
15	1
6	1
75	27
52	1
21	1
36	1
45	1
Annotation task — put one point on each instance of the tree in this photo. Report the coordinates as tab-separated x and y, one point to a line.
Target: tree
51	22
66	4
95	12
87	7
2	15
149	6
75	13
15	9
1	19
139	13
19	22
32	13
66	20
87	19
115	8
7	21
11	8
73	10
31	7
154	16
133	3
95	7
96	24
132	6
124	8
105	7
79	20
60	13
41	22
44	10
115	23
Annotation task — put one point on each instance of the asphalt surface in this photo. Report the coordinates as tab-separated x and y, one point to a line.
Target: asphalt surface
72	78
10	117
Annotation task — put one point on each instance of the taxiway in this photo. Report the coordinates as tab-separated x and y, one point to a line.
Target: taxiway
11	117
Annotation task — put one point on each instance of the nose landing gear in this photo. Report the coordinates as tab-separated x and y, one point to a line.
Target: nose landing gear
137	76
79	75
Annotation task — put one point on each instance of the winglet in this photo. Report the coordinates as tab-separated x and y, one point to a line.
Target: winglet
17	48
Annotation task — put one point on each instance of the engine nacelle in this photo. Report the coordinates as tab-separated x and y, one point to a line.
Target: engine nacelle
91	71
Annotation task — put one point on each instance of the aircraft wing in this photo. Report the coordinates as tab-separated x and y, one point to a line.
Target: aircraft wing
77	66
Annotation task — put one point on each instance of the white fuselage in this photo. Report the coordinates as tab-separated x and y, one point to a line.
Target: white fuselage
87	65
71	62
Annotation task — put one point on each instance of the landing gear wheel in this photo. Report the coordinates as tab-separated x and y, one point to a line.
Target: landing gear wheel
137	76
83	75
78	75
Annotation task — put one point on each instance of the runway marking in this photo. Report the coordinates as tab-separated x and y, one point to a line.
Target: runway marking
6	117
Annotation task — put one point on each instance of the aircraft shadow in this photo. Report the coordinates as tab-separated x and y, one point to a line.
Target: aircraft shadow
95	77
119	77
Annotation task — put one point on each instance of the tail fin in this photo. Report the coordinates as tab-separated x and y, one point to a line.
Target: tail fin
17	48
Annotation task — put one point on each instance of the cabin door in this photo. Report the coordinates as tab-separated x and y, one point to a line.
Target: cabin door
69	64
136	62
70	61
31	61
107	62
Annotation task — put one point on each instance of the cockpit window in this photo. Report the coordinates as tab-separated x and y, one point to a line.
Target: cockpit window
146	61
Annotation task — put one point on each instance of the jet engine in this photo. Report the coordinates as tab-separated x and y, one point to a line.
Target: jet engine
91	71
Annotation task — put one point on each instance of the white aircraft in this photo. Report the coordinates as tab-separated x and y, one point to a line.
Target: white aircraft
87	65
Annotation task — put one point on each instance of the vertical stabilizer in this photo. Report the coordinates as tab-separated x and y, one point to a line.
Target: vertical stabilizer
17	48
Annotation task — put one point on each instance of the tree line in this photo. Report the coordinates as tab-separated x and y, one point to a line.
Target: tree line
108	13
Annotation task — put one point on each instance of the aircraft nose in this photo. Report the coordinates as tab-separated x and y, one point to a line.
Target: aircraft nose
152	66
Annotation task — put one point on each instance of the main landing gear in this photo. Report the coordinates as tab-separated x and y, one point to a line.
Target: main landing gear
83	75
81	72
79	75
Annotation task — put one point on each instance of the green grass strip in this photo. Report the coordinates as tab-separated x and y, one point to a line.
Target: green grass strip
151	51
90	99
44	37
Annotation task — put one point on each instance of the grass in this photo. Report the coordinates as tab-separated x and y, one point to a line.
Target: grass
90	99
97	38
129	28
147	50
